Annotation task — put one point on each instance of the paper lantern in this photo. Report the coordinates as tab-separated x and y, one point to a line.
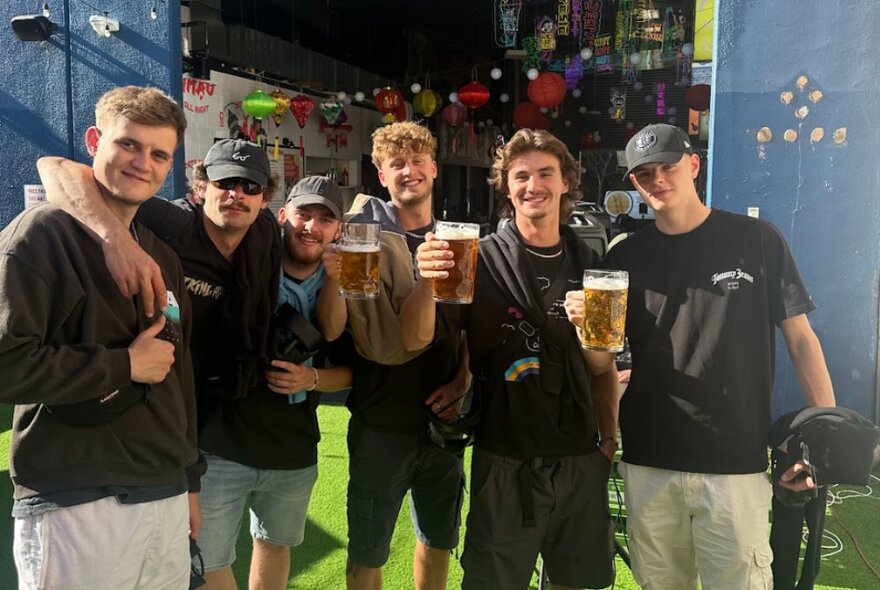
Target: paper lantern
473	95
388	100
258	104
527	115
454	114
302	106
697	97
547	90
425	102
282	103
330	111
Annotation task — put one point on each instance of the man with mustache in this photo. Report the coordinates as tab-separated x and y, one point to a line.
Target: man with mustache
230	249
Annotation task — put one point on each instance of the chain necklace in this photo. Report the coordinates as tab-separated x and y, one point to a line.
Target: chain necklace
539	255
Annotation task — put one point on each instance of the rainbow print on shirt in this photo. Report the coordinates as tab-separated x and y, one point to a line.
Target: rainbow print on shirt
522	368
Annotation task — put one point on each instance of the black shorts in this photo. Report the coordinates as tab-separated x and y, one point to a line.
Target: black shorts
382	467
572	528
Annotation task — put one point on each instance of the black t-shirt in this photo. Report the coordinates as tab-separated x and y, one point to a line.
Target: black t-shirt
391	397
701	318
533	381
261	430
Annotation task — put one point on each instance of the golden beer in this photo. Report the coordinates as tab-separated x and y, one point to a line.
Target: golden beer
604	310
359	260
359	272
462	238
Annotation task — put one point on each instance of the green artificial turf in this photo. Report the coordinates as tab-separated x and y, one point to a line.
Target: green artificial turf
320	562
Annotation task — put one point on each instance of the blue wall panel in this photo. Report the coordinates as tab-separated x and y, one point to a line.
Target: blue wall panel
821	194
49	89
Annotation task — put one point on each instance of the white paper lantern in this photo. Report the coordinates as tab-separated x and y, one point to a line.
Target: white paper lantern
495	73
359	96
453	97
415	88
586	53
576	93
504	97
532	74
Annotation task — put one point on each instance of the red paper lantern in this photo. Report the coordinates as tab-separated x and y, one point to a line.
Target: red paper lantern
547	90
388	100
453	114
473	95
697	97
302	106
527	115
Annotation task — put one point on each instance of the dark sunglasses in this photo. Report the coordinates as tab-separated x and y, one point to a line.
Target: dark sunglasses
248	187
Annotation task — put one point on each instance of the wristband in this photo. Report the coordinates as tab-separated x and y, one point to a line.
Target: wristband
315	384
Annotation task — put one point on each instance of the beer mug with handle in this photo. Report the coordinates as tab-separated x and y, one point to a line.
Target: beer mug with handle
359	260
462	238
604	309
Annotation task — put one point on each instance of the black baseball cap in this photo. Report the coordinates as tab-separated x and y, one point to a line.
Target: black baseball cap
317	190
658	143
237	158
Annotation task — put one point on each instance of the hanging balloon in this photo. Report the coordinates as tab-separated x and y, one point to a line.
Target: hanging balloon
330	111
302	106
453	114
282	103
258	104
527	115
473	95
547	90
400	113
425	103
697	97
388	100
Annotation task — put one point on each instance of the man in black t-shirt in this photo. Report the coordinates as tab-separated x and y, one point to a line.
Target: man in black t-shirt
389	449
547	431
707	289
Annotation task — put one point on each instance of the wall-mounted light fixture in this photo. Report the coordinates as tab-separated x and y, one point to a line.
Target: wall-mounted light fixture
32	27
104	25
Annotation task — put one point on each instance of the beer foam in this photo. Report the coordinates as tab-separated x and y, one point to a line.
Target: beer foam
606	284
358	247
457	234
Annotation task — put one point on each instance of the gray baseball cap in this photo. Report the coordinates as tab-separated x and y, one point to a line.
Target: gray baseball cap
317	190
658	143
236	158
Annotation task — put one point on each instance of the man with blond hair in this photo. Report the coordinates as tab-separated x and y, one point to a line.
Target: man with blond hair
104	432
390	451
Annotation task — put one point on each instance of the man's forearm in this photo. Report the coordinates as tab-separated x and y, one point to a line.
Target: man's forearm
331	312
418	316
606	402
71	187
806	355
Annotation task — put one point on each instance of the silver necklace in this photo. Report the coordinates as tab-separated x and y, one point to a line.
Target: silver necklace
421	236
539	255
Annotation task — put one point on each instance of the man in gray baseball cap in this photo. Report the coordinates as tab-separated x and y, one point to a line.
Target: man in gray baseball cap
659	143
707	289
317	190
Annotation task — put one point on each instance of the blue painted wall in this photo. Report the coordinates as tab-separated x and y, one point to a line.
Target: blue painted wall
823	196
49	89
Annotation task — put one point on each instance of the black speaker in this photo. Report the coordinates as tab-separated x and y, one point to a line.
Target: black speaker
32	27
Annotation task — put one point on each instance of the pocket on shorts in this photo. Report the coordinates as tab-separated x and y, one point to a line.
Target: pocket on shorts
760	572
481	470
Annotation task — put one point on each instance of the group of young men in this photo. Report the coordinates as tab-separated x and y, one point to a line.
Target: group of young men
151	405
